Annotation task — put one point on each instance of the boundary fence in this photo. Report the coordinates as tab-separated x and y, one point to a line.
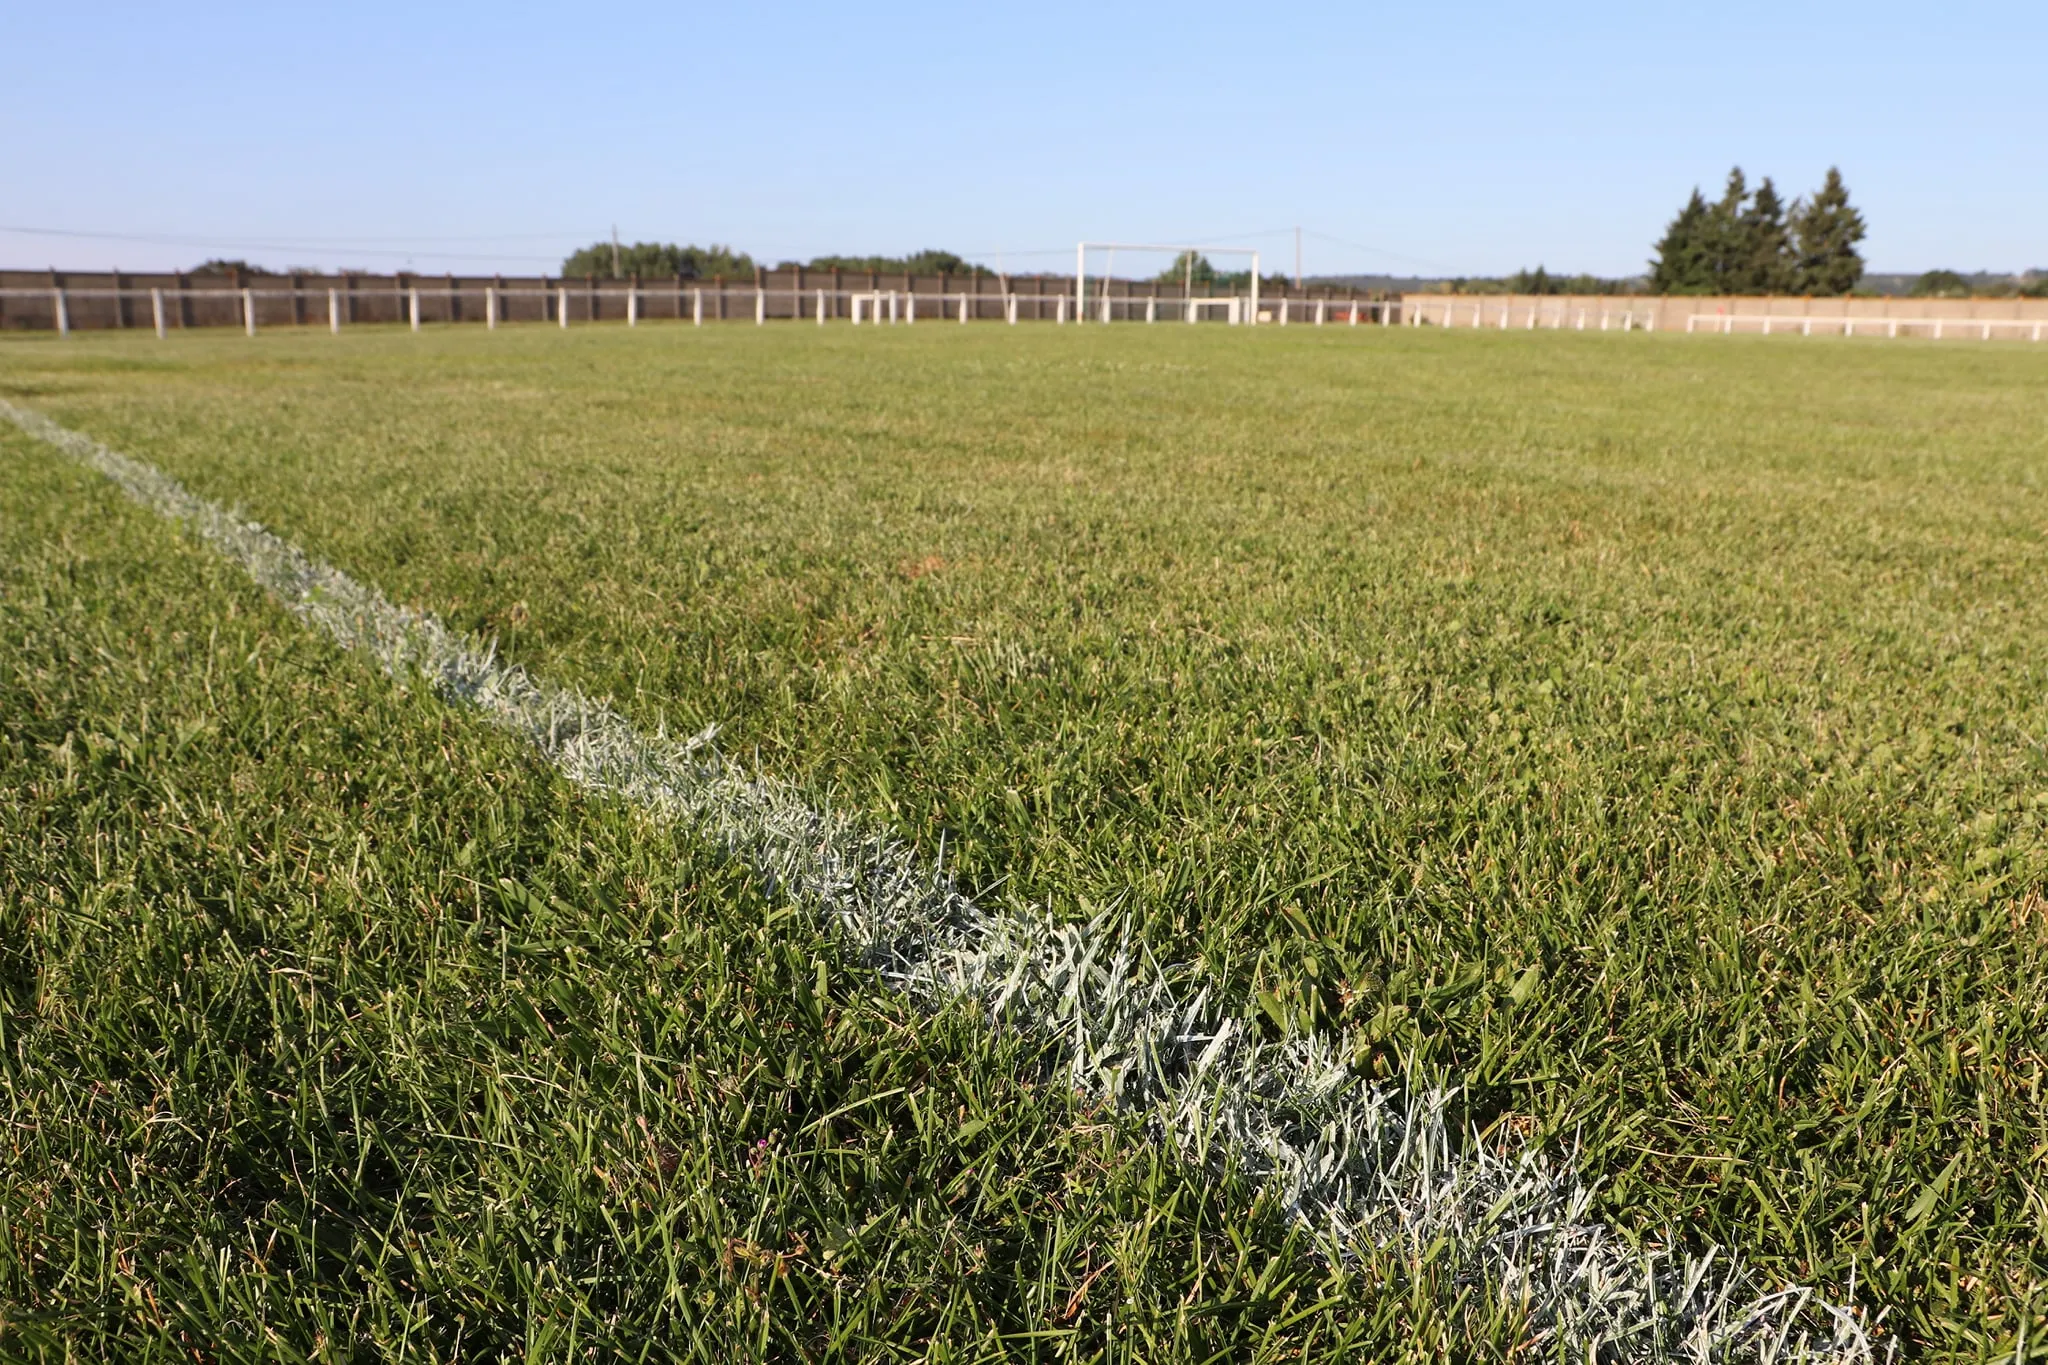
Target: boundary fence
1934	319
1936	328
66	303
65	309
52	300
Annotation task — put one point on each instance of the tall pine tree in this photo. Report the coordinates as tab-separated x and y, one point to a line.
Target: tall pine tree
1767	266
1680	267
1746	243
1725	235
1825	231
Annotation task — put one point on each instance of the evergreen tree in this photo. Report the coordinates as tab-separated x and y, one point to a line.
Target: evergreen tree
1767	266
1725	236
1825	231
1680	267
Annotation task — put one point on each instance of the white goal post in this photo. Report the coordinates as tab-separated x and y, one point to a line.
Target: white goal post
1186	250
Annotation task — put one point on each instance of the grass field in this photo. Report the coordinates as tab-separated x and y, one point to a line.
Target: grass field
1644	732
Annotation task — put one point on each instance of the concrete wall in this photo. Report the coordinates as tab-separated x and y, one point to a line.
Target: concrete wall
1872	317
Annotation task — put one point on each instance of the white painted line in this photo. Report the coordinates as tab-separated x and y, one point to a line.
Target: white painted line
1356	1162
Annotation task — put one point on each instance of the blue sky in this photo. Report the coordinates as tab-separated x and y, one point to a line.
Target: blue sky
1428	138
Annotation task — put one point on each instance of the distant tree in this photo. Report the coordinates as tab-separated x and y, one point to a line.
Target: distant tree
1941	284
225	267
1746	243
1541	281
1725	236
1191	266
930	261
1767	265
1681	263
652	260
1825	231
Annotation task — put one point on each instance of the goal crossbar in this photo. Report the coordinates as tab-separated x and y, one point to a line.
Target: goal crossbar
1196	249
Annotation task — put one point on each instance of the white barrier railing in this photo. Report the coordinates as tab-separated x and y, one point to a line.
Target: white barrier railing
417	306
1451	311
1981	329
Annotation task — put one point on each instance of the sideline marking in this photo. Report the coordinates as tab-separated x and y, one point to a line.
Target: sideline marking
1355	1162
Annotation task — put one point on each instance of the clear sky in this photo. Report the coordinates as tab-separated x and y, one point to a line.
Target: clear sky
1452	137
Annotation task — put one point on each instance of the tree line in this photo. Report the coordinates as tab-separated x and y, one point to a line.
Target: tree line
657	260
1754	243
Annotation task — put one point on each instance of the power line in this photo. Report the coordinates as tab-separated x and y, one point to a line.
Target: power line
326	246
177	239
1380	251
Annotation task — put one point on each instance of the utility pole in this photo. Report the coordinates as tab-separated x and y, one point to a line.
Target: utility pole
618	272
1297	258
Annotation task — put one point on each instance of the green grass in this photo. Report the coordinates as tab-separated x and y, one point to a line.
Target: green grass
1705	677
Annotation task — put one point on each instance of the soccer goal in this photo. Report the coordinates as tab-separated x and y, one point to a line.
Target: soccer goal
1146	292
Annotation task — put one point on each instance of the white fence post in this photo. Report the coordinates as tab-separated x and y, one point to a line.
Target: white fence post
697	307
334	311
63	308
760	307
156	311
821	308
1191	308
963	309
490	307
856	301
1010	309
413	308
909	307
562	307
249	311
1059	313
632	306
1937	329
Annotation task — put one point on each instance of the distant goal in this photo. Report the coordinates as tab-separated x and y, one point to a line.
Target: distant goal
1152	295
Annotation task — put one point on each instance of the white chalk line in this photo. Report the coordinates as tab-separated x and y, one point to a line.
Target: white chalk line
1359	1163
